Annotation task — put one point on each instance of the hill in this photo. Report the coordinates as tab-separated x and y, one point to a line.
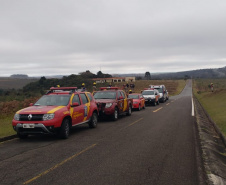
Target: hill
199	73
15	83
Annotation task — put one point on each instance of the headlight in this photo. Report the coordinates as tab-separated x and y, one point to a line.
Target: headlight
17	117
108	105
48	117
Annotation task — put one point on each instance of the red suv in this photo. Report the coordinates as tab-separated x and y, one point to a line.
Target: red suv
56	112
113	102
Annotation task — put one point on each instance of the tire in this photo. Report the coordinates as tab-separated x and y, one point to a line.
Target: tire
64	129
129	111
22	136
93	121
115	115
139	108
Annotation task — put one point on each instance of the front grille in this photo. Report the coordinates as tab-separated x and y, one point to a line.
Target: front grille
101	106
35	117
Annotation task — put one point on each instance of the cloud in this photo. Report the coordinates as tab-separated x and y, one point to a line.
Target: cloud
48	37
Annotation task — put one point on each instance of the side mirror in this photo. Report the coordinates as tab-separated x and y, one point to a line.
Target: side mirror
75	104
31	104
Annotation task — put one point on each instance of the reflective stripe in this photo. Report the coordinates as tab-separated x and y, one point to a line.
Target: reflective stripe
55	109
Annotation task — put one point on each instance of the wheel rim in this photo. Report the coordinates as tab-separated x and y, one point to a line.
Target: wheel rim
116	114
94	119
66	128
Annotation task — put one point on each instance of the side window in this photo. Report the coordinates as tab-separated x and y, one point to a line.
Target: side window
122	94
76	99
90	96
84	98
119	94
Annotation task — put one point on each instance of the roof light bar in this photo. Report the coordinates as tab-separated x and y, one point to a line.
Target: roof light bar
109	88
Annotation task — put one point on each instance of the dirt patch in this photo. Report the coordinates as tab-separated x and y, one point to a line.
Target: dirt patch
212	145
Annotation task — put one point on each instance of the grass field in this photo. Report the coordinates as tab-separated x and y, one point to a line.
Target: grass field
173	86
213	102
6	127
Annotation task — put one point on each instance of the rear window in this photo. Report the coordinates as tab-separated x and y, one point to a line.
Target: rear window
90	96
133	96
84	98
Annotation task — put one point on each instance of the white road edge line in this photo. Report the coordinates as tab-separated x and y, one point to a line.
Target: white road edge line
192	109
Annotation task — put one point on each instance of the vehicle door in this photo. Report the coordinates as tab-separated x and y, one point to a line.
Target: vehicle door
76	111
85	106
120	101
142	100
125	101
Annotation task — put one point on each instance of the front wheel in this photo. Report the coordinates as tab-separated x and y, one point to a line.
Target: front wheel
115	115
129	111
93	121
64	129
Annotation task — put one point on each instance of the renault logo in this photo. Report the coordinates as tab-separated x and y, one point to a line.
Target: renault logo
29	117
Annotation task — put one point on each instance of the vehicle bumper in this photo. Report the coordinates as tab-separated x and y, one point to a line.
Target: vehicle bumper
149	101
135	106
38	128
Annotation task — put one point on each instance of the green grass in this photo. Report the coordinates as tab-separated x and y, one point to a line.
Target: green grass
213	102
6	127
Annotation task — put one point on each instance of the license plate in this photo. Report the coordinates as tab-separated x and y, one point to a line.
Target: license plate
28	125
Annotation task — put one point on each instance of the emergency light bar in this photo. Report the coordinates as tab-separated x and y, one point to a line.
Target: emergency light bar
72	89
148	88
108	88
155	86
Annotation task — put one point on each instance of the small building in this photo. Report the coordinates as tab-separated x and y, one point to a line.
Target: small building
114	79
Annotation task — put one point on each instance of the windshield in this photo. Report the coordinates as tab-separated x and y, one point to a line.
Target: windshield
105	95
54	100
148	93
159	89
133	96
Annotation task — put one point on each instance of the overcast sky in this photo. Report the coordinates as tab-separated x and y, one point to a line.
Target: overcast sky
63	37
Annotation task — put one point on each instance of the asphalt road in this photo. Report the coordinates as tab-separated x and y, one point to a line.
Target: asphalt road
152	146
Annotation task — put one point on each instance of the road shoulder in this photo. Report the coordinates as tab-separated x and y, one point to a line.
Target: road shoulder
213	148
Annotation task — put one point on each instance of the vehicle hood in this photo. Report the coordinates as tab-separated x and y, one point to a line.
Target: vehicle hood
105	101
148	96
40	109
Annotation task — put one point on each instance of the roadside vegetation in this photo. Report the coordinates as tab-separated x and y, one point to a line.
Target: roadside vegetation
213	102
